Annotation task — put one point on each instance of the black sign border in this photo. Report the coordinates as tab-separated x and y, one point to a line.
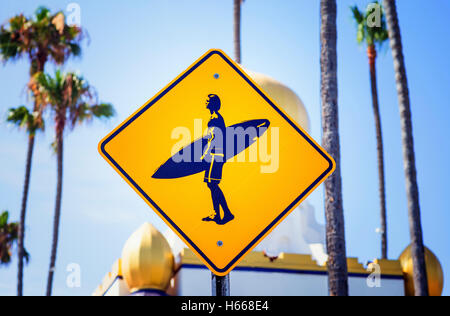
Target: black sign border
161	212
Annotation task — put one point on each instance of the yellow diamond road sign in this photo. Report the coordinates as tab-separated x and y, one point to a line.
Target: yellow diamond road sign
217	160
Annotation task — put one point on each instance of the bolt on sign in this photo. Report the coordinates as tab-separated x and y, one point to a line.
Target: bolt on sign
217	160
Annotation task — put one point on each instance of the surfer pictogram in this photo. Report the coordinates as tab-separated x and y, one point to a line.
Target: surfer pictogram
220	144
215	152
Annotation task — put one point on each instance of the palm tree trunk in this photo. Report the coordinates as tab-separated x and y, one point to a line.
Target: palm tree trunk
57	216
237	31
372	54
412	191
21	244
335	234
26	186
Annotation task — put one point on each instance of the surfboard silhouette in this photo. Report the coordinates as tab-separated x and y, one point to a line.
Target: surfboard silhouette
174	168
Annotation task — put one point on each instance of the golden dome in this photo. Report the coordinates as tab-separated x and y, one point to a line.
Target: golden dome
434	272
147	260
287	99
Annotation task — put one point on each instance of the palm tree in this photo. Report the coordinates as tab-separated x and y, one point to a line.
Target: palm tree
412	191
43	37
334	214
237	30
9	233
374	37
72	101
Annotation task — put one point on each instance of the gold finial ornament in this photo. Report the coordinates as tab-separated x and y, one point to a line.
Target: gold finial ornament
285	97
435	274
147	260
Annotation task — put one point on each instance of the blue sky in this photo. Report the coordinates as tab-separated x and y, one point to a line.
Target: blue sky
136	49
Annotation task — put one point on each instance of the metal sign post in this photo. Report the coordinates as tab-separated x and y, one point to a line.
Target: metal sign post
220	285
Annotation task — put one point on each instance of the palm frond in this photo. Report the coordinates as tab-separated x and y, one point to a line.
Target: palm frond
71	99
23	118
11	38
4	216
42	13
357	15
16	23
75	49
42	37
9	234
360	33
103	110
19	116
371	35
